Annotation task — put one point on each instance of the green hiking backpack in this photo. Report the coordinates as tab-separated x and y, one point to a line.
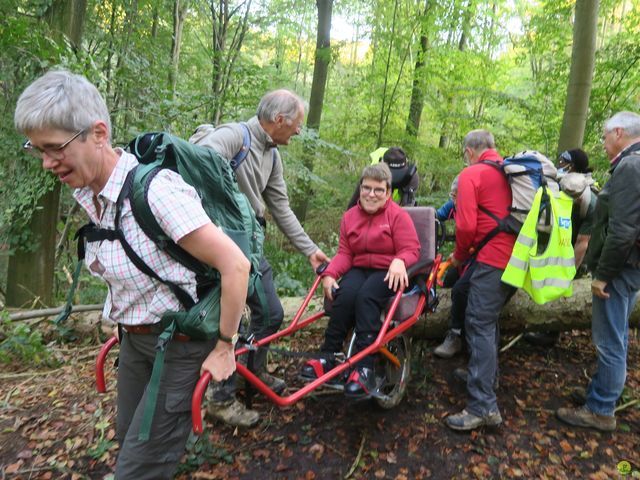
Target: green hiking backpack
213	179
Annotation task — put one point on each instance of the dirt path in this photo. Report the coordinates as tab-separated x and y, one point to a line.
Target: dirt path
53	425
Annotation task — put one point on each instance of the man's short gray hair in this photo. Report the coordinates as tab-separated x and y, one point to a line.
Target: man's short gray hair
627	121
280	102
378	172
61	100
479	140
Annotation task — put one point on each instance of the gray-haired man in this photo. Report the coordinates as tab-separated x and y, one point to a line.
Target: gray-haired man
613	256
279	117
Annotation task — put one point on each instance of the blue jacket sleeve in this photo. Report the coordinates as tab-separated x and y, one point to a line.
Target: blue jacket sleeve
444	212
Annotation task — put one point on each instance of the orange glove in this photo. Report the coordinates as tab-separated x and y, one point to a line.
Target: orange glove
442	269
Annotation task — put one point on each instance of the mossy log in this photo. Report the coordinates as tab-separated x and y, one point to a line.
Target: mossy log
521	313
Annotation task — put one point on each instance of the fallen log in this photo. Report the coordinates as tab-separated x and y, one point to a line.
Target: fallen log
50	312
521	313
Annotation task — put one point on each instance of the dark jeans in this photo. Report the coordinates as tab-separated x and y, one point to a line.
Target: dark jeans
261	326
459	297
158	457
358	302
610	334
487	296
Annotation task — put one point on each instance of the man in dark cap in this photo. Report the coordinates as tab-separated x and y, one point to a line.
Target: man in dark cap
404	176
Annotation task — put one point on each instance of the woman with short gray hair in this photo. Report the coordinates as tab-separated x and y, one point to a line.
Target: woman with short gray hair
67	123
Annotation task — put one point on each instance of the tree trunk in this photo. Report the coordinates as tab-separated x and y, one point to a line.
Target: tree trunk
417	91
321	65
522	314
580	76
443	142
66	19
316	99
179	12
30	269
386	78
224	54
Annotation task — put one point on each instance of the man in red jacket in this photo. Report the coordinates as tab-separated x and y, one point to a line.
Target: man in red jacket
482	188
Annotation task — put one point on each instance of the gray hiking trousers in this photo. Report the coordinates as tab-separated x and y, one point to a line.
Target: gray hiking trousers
158	457
487	296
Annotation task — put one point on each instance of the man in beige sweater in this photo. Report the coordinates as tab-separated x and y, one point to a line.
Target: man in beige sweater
252	147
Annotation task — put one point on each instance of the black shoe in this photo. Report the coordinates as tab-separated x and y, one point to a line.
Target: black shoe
461	374
317	367
360	384
542	339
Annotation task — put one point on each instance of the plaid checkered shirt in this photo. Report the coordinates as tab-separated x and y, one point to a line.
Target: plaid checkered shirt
134	298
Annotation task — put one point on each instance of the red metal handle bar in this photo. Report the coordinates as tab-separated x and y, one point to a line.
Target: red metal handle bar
102	355
196	402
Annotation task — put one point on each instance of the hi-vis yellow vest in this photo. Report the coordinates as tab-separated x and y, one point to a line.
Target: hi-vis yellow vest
547	276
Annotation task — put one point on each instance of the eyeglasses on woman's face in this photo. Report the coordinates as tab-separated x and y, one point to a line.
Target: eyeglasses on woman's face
377	191
55	151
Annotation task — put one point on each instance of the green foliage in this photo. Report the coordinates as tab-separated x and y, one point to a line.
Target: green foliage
103	444
22	344
497	65
201	450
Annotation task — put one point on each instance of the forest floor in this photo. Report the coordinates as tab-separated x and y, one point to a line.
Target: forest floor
53	425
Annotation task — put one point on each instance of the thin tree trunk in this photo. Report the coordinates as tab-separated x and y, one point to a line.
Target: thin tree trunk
226	44
179	12
462	46
316	99
580	76
417	91
321	64
386	77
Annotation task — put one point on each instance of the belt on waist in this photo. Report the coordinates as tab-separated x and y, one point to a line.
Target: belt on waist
154	329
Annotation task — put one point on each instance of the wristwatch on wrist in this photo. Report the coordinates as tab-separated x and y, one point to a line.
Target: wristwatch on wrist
231	340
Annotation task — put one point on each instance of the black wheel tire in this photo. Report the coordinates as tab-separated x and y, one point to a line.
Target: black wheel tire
395	379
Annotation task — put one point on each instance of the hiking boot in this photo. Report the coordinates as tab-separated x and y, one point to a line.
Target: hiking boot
578	395
234	413
451	345
360	384
462	374
583	417
276	384
542	339
464	420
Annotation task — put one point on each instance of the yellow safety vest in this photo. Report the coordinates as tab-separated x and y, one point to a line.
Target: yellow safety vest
546	276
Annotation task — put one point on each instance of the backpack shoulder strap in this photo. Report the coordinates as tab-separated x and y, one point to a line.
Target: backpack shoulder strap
239	157
493	164
183	297
411	171
138	194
